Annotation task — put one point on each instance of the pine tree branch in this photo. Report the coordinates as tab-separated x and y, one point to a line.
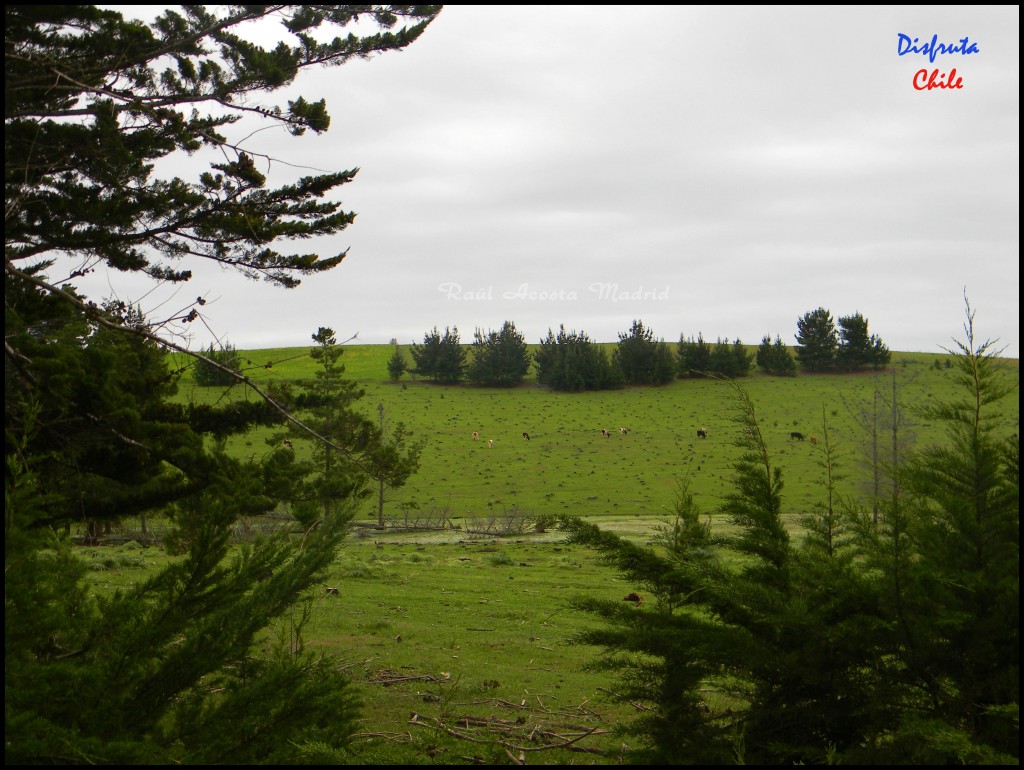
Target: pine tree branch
91	311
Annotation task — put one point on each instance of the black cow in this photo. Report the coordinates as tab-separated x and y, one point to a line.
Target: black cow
526	436
797	435
701	433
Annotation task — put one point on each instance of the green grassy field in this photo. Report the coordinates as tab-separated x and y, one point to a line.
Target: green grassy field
459	643
568	467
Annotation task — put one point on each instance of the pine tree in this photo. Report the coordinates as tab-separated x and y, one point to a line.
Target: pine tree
164	671
91	105
665	658
342	436
839	622
693	357
206	374
741	359
957	593
795	672
869	642
397	365
350	452
798	639
721	359
857	348
817	341
642	359
168	671
442	358
730	360
775	358
451	364
99	435
426	357
571	361
500	359
391	460
735	616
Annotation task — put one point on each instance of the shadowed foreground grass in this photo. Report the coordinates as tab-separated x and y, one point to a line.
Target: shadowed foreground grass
458	645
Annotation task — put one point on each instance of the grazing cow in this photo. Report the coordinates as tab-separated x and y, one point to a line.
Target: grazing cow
814	440
605	433
633	597
623	431
476	435
797	435
526	435
332	591
702	432
288	444
490	443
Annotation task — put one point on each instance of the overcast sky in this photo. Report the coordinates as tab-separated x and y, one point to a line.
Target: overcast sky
706	170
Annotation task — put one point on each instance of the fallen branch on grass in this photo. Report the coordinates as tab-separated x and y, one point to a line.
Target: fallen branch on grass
405	737
634	704
387	678
507	733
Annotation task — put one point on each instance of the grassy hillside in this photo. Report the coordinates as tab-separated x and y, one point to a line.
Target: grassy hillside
567	466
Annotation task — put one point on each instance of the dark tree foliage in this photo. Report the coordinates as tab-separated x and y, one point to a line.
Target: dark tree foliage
442	358
949	547
393	459
397	365
426	357
168	671
92	100
817	341
134	677
451	361
775	358
336	473
857	348
893	642
88	404
742	359
500	359
693	357
642	359
735	620
730	359
220	366
571	361
356	451
663	658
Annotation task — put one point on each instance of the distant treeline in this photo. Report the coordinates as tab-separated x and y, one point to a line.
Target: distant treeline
571	361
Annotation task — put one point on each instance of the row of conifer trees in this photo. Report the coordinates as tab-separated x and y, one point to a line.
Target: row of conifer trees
572	361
